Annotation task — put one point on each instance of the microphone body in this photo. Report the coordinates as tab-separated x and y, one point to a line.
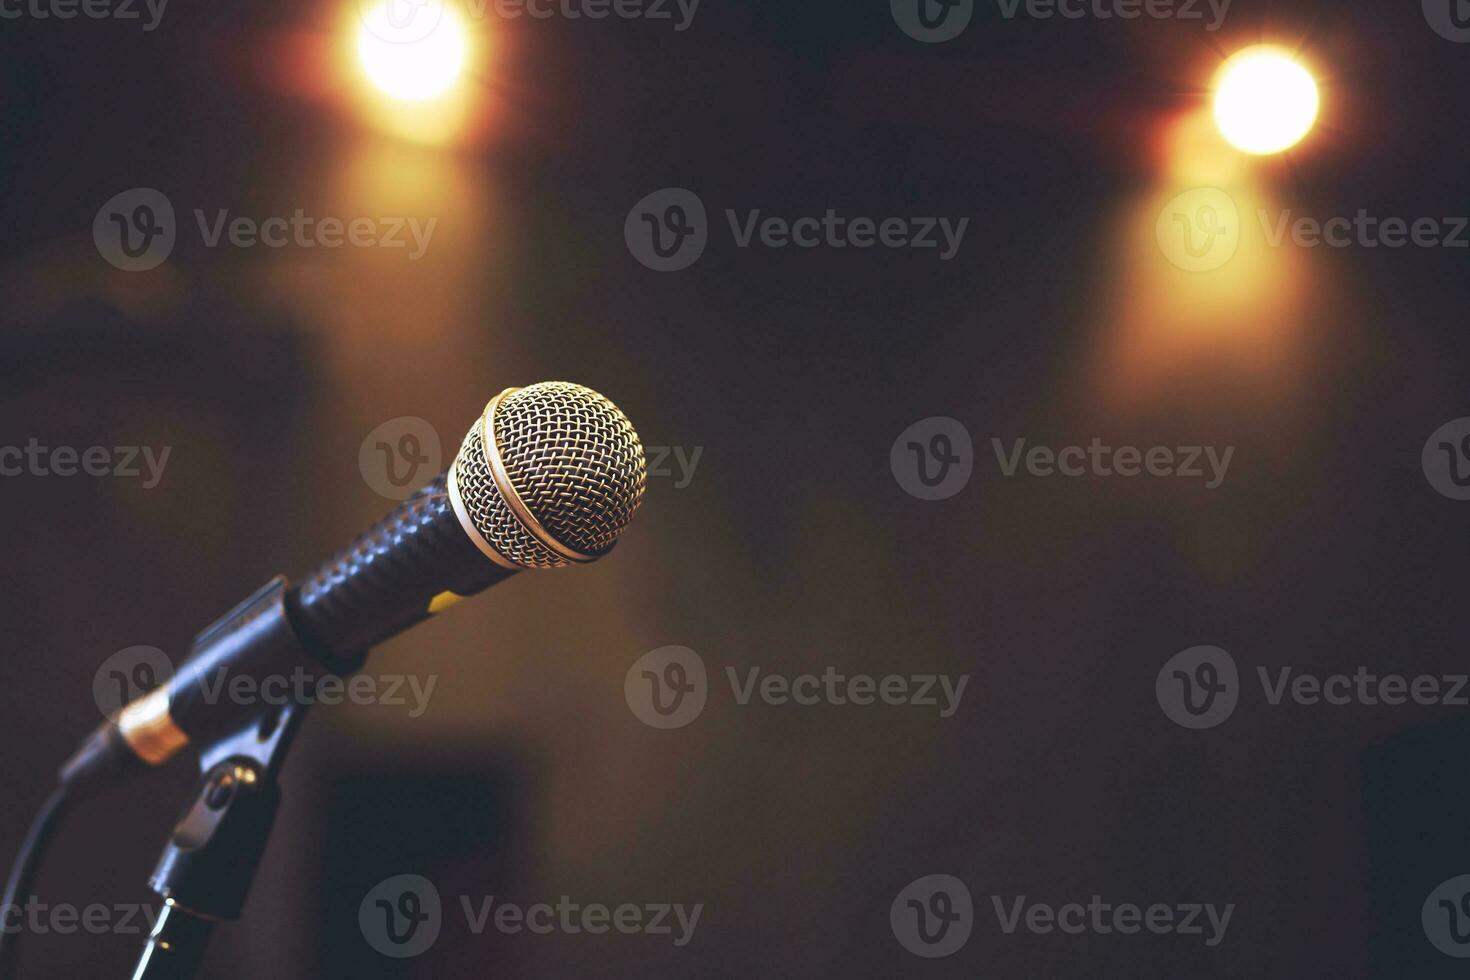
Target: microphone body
415	562
548	476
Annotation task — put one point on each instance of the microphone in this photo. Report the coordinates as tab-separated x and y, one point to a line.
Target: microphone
549	476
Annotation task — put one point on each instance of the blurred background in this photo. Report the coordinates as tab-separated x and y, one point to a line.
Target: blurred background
792	546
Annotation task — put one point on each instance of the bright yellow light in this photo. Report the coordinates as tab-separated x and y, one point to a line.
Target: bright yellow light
412	58
1265	101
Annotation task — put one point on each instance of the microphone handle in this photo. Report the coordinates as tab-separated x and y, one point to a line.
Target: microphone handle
414	562
411	564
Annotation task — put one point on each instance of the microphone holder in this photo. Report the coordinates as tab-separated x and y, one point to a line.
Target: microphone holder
210	860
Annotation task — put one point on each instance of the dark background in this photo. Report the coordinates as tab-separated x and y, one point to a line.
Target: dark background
793	547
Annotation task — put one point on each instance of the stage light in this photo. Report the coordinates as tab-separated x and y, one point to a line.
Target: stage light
1265	100
413	60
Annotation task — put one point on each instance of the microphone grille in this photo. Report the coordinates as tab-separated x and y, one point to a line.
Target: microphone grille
573	468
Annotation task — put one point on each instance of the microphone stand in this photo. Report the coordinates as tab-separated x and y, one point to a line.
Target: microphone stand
208	864
210	860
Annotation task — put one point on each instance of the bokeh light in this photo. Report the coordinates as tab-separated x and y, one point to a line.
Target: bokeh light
421	71
1265	100
413	63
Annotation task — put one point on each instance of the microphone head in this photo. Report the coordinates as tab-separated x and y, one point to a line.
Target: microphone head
548	476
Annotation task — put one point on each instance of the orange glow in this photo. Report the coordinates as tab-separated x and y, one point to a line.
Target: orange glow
414	75
409	65
1199	288
1266	100
1194	286
377	304
1195	154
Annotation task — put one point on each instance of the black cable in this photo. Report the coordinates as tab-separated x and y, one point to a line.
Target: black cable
23	872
